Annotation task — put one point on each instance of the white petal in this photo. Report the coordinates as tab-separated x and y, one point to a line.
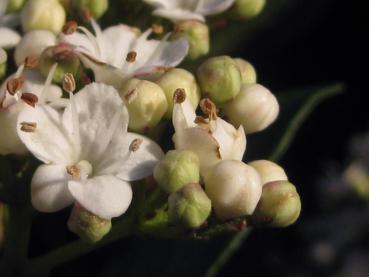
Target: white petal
81	42
50	191
178	14
210	7
183	116
8	37
104	196
168	4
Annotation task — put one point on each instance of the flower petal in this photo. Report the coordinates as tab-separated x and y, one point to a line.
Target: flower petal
104	196
177	15
8	37
184	115
49	188
168	4
210	7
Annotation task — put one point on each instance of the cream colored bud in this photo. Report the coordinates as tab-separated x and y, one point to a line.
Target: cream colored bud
255	108
234	189
96	7
179	78
269	171
15	5
33	44
219	79
248	8
248	72
146	103
189	206
43	14
197	34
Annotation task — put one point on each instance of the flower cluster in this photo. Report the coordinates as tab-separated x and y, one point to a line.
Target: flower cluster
84	101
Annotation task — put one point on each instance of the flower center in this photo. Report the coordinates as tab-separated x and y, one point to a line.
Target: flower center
80	171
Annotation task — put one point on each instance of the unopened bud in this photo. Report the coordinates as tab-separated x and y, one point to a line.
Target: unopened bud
146	104
279	206
197	34
219	79
189	206
177	169
269	171
179	78
248	8
97	8
14	5
234	189
88	226
247	70
43	14
255	108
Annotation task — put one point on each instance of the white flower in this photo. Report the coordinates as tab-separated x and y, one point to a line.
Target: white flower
89	156
212	139
120	52
178	10
8	37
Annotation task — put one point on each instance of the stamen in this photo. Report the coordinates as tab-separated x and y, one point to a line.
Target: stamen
42	97
31	62
30	98
157	28
69	84
131	95
131	57
19	71
179	96
75	122
14	85
74	171
208	108
70	27
28	127
135	144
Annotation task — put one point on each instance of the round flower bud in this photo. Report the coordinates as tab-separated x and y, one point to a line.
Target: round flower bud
255	108
269	171
179	78
177	169
279	206
219	79
96	7
197	34
43	14
248	72
33	44
189	206
14	5
248	8
146	103
88	226
234	189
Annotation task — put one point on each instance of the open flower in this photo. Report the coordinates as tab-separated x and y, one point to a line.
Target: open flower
178	10
121	52
89	156
212	139
8	37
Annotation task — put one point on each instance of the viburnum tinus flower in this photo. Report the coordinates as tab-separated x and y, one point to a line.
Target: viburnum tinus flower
121	52
89	157
179	10
8	37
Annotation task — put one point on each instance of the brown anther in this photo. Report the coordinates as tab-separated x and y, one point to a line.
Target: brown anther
86	14
28	127
131	95
31	62
202	122
131	57
208	108
74	171
70	27
15	85
177	29
62	52
69	84
179	96
85	80
30	98
157	28
135	144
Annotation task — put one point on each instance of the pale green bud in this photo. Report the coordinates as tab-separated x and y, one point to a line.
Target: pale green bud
197	34
179	78
248	8
356	175
177	169
3	59
2	70
96	7
234	189
88	226
279	206
14	5
269	171
219	79
248	72
43	14
146	104
189	206
255	108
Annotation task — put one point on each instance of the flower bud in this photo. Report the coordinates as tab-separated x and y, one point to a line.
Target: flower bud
189	206
43	14
255	108
279	205
146	104
14	5
3	59
33	44
269	171
220	79
197	34
248	72
179	78
248	8
96	7
234	189
67	61
177	169
86	225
